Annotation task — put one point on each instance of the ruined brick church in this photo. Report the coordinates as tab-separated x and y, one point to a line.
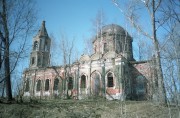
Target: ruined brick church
110	72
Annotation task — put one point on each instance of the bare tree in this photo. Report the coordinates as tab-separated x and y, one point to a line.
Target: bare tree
66	47
171	63
54	51
88	45
151	6
17	20
97	23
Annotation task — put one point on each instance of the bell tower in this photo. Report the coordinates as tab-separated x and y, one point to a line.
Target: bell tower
40	54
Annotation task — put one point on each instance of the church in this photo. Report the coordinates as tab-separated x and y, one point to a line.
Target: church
110	72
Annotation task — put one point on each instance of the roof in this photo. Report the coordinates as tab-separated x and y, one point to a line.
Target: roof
42	31
113	28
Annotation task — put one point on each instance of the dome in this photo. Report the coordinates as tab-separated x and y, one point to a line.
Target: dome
113	28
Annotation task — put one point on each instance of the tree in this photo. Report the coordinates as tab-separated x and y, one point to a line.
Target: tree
17	19
150	7
171	62
66	47
97	23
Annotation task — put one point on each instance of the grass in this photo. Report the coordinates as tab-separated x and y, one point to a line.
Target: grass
86	109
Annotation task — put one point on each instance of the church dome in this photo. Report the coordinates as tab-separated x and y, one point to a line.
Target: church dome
113	28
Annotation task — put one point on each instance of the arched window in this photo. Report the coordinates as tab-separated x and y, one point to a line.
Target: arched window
38	87
70	83
33	60
47	85
95	48
105	48
27	86
56	82
83	81
39	61
35	47
110	82
140	86
46	46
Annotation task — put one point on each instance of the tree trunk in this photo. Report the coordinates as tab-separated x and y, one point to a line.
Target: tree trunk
7	72
6	53
161	88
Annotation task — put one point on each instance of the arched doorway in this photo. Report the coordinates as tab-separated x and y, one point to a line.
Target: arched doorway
140	87
96	84
83	84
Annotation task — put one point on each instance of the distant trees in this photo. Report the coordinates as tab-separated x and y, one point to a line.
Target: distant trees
17	19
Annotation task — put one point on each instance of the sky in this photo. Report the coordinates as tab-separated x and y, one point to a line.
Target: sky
74	17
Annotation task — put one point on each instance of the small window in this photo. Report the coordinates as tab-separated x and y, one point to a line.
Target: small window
83	81
95	48
35	45
27	86
70	84
46	46
33	61
47	85
39	61
56	82
38	88
110	82
105	47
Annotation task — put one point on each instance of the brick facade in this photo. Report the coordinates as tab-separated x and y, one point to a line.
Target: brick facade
109	72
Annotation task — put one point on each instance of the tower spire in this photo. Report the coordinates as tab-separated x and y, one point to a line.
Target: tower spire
40	54
43	31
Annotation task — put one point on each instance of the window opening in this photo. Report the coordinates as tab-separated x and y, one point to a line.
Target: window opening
46	46
140	89
110	80
70	84
39	61
83	81
56	82
33	60
105	47
38	85
47	85
35	45
27	86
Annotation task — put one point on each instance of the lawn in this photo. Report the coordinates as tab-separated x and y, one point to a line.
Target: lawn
93	108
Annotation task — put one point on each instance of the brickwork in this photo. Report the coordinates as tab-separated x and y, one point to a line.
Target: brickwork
108	72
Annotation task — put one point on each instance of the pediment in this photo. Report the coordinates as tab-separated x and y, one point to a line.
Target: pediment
95	56
109	55
84	58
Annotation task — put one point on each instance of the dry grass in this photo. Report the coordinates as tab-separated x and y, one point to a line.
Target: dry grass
87	109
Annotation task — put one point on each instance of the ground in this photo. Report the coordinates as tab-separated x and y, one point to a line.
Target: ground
93	108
